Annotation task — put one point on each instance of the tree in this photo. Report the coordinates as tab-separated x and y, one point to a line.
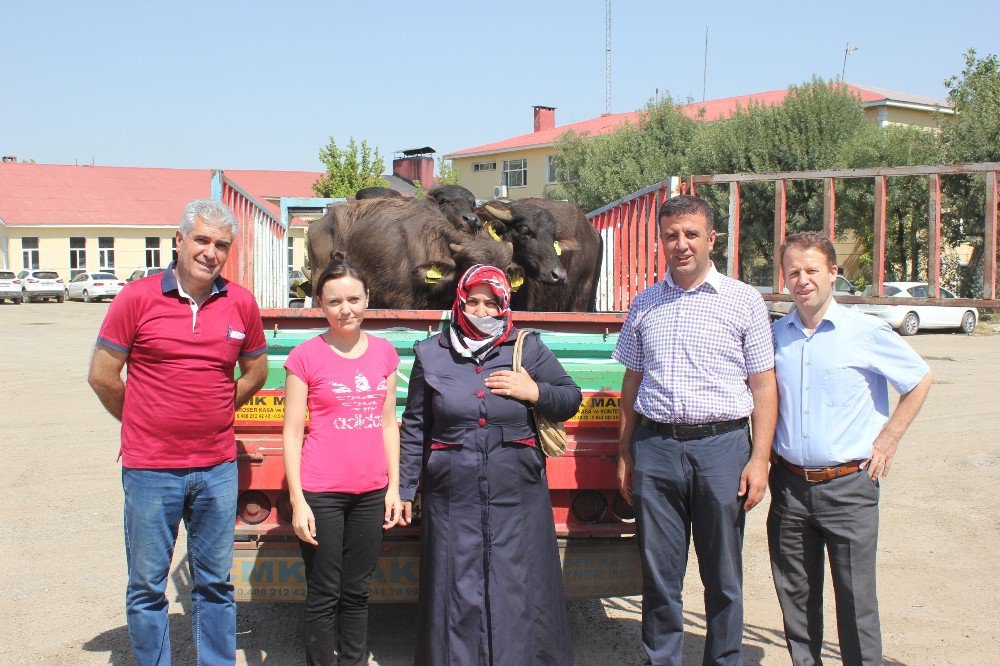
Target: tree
595	171
973	136
349	170
906	197
811	129
447	173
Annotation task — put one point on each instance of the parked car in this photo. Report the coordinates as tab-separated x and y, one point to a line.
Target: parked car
778	309
93	287
39	284
140	273
10	288
908	319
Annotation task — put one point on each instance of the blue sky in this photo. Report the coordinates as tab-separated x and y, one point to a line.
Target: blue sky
263	85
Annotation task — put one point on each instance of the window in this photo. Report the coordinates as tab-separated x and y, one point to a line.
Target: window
152	251
919	291
29	252
515	173
551	175
173	244
77	255
106	246
484	166
291	253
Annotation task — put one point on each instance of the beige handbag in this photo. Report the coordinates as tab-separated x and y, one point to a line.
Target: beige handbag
551	434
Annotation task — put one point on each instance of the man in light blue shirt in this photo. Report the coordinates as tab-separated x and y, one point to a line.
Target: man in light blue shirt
835	439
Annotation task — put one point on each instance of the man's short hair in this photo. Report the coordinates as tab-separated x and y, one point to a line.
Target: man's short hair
686	204
810	240
211	212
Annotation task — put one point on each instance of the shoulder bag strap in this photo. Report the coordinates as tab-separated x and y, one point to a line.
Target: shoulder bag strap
518	347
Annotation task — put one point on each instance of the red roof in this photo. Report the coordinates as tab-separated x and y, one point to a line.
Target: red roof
714	109
55	194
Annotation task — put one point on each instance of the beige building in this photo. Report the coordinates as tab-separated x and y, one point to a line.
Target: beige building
521	166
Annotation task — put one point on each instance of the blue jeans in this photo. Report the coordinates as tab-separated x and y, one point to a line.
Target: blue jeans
156	500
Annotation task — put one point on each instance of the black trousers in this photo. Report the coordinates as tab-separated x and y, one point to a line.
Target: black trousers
808	521
338	574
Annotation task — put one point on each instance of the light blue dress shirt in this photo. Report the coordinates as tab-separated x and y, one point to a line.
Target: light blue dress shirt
833	395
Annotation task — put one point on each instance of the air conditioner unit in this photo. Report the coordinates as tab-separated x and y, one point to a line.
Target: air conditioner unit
499	191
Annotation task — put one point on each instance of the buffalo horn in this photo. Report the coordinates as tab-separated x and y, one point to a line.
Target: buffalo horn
499	213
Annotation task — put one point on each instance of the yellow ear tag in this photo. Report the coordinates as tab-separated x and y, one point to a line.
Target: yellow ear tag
516	283
492	232
433	275
558	248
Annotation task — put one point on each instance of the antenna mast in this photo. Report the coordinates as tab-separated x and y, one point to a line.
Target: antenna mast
704	76
607	56
847	51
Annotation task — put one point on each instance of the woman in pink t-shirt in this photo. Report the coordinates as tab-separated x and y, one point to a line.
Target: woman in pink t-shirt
343	475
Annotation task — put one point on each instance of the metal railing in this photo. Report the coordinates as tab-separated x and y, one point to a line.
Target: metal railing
258	259
633	259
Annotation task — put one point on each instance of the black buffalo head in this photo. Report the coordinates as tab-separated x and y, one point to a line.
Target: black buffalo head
458	205
377	193
532	231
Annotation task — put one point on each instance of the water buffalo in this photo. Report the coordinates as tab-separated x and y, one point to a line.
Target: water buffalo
410	253
377	193
533	232
458	205
544	232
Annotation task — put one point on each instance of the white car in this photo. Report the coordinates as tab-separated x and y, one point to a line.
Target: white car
10	287
89	287
140	273
39	284
908	319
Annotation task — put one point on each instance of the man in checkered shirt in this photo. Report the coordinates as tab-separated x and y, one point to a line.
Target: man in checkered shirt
699	358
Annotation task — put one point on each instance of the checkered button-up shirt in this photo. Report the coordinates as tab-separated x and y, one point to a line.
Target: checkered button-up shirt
696	349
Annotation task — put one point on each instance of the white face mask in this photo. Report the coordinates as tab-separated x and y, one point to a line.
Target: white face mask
488	325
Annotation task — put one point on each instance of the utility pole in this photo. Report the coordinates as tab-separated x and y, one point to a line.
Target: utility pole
847	51
607	56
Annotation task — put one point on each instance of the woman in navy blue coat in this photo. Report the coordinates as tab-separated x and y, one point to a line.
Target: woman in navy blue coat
490	579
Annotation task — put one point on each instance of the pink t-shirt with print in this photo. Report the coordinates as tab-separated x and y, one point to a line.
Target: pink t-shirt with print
343	449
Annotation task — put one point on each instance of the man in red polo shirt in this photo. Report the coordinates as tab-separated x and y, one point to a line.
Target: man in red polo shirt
181	333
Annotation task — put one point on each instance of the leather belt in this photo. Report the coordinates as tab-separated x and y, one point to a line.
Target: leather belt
682	431
822	474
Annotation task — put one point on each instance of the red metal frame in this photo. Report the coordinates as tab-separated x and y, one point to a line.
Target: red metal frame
934	235
780	215
990	235
640	260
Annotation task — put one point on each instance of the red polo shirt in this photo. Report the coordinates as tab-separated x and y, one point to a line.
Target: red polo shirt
180	392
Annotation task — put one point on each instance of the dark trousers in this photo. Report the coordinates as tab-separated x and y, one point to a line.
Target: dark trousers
338	574
807	520
684	489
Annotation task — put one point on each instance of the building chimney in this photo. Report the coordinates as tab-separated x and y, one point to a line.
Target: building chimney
545	117
415	168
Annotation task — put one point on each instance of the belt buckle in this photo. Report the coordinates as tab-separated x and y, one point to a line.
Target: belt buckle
821	475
